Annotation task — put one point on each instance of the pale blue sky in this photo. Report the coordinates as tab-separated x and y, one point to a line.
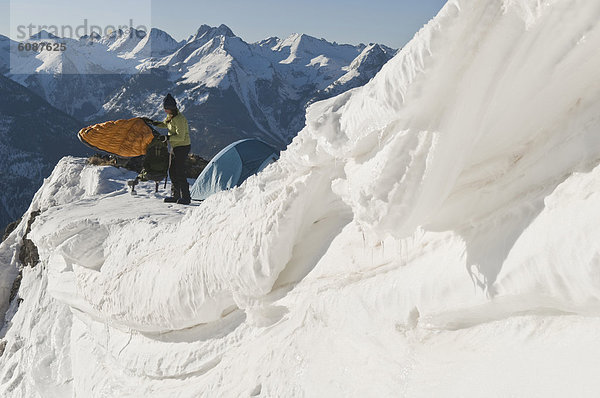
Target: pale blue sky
391	22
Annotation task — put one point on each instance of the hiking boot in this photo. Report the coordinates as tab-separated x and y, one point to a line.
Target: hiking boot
171	199
183	201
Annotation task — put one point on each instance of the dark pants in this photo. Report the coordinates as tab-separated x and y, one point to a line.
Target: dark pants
179	185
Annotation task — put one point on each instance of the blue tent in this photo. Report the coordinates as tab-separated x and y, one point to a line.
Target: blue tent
232	166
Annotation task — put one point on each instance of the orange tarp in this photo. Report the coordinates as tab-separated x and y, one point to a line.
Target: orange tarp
125	138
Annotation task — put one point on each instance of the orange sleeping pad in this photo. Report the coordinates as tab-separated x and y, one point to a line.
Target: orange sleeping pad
124	138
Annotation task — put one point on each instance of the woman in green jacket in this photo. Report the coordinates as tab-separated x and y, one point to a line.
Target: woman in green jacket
179	137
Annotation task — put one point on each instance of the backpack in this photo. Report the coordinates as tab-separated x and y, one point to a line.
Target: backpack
155	165
156	161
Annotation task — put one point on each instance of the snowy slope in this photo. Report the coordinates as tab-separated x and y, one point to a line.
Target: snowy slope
433	233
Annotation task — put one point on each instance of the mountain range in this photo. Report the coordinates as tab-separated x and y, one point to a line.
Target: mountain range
227	88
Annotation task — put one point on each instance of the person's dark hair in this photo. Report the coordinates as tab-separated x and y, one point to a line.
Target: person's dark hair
170	103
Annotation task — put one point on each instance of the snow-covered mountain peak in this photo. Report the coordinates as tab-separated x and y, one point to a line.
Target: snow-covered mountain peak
89	54
371	55
269	42
361	70
111	37
123	41
92	39
206	32
156	33
43	35
157	43
303	48
206	39
298	42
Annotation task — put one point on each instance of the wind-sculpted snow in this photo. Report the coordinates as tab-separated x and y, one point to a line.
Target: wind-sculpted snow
135	271
435	229
414	135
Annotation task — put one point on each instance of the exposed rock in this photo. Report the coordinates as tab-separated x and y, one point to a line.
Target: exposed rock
15	287
10	228
28	253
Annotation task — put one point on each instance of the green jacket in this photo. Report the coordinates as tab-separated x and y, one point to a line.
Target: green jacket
179	132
